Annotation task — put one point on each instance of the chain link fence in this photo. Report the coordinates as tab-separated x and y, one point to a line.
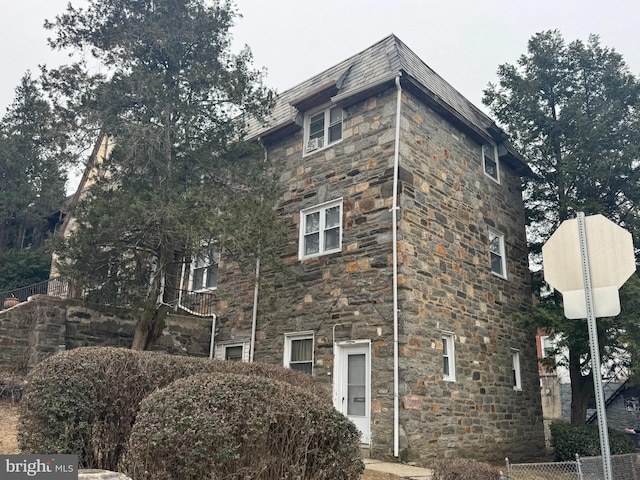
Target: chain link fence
625	467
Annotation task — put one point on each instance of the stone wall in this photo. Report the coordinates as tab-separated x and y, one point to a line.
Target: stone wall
34	330
445	283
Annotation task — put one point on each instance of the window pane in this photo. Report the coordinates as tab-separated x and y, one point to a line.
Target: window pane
356	388
301	350
335	115
494	243
496	264
490	168
233	353
332	217
445	366
332	239
312	222
316	126
335	133
212	276
198	278
312	244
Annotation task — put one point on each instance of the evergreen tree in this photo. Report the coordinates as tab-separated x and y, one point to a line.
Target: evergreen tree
573	111
33	160
180	181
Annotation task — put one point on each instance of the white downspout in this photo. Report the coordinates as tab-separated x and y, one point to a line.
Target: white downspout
394	222
213	335
254	316
254	319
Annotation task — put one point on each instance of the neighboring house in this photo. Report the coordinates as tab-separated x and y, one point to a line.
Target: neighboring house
407	242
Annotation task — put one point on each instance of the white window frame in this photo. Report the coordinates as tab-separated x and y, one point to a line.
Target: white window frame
501	253
326	111
289	338
321	231
448	357
552	346
208	269
486	150
516	376
222	347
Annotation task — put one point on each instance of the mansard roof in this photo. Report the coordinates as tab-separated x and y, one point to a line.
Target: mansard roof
375	69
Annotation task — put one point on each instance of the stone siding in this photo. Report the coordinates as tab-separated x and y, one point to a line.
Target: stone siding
445	283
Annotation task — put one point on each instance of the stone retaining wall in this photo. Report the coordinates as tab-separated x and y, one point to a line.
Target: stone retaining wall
34	330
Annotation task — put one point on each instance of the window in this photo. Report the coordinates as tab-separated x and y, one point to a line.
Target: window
490	162
448	358
322	129
321	230
204	271
298	351
548	347
515	370
496	250
233	351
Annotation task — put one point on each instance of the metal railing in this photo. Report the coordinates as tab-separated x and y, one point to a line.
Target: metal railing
200	303
625	467
54	287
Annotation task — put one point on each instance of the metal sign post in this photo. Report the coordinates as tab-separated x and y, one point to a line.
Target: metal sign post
595	350
589	278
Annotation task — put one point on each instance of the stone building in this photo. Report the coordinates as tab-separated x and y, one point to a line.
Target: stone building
407	241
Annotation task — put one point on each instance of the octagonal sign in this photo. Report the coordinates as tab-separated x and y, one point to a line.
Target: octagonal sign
611	262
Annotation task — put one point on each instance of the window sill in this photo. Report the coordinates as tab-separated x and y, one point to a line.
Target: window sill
318	150
504	277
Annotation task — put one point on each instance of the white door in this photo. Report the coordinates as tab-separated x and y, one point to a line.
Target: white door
352	388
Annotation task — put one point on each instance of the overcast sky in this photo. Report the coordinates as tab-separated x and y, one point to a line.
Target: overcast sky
464	41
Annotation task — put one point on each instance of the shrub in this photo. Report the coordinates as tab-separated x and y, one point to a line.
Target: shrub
84	401
235	427
463	469
567	440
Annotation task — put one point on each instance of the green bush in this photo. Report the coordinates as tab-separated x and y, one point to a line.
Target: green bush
463	469
237	427
567	440
84	401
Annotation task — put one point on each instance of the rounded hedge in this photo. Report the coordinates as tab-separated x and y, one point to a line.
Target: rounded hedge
84	401
236	427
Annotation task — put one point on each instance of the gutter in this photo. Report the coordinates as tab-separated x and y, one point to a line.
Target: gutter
394	227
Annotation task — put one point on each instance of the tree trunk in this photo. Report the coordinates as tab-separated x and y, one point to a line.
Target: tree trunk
151	322
581	390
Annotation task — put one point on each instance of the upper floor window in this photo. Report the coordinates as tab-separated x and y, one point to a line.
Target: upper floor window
448	358
515	370
490	162
298	351
321	229
498	257
322	128
203	274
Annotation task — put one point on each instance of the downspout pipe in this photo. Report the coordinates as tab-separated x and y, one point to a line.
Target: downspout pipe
394	228
213	335
256	290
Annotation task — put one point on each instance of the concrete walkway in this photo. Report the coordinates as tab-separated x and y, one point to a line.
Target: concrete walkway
399	469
